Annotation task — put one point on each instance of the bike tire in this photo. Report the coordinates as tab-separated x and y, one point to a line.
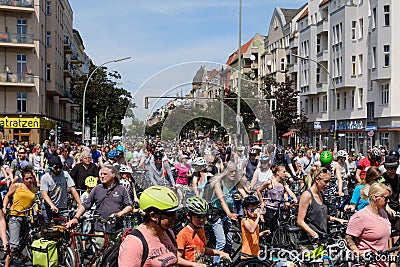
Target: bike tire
253	262
67	257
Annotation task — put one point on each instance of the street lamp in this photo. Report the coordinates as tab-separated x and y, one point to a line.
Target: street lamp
84	92
334	91
238	119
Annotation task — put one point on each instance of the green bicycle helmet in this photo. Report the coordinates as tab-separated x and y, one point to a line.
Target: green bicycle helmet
159	197
325	158
196	205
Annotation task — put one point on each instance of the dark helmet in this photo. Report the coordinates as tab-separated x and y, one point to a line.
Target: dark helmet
158	154
394	153
250	200
280	150
153	145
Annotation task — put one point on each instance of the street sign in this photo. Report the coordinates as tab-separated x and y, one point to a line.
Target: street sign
370	128
317	125
371	133
52	132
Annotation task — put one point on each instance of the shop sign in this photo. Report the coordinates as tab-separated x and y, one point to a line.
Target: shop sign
13	123
348	125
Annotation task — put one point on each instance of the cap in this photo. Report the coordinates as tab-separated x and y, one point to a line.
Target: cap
391	161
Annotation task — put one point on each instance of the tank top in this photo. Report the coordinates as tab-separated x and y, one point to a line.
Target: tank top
276	192
250	242
201	186
227	191
316	216
263	176
23	199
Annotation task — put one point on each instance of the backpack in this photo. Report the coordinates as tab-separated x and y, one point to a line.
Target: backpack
110	257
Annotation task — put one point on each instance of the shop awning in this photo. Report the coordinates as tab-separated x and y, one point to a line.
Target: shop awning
288	134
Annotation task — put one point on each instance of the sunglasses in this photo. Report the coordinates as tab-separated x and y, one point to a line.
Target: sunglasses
251	209
385	197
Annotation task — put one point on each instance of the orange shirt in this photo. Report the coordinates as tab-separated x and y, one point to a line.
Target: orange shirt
250	244
193	248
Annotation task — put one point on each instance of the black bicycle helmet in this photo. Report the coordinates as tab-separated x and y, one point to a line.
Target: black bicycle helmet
250	200
280	150
394	153
158	154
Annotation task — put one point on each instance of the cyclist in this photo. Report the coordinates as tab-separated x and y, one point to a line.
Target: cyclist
38	162
283	159
372	159
84	169
262	173
90	182
200	175
128	182
369	228
313	214
191	240
250	228
160	205
239	158
160	172
183	172
23	196
277	189
340	169
54	188
111	200
251	165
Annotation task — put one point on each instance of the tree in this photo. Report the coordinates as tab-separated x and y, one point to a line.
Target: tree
286	114
104	100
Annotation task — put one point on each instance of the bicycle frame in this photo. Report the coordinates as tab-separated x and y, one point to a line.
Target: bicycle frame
92	261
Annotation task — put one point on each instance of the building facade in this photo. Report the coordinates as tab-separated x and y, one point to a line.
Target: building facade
40	53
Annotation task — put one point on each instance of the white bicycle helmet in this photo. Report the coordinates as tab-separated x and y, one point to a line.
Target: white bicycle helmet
199	161
342	153
125	169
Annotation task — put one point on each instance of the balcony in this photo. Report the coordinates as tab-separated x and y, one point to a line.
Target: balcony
294	42
68	45
74	59
67	97
68	70
322	26
322	86
25	6
323	56
293	68
17	79
16	40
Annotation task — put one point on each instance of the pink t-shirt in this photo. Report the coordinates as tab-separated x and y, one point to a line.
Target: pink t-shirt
182	174
371	233
162	251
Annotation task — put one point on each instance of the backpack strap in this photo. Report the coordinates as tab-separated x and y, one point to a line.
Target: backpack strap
139	235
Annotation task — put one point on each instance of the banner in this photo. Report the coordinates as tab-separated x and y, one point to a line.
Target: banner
27	123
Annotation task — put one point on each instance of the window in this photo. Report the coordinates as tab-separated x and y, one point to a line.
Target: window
317	104
373	63
338	101
21	102
318	75
48	8
353	65
48	38
312	105
386	52
361	28
21	63
344	100
48	72
385	94
353	30
352	98
385	139
21	30
374	18
386	14
371	112
324	103
360	64
306	106
360	97
282	64
318	43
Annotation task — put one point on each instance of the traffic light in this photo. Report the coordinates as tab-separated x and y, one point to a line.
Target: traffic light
146	102
256	127
58	130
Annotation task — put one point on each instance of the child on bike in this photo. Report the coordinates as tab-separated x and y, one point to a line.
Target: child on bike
250	228
191	239
90	183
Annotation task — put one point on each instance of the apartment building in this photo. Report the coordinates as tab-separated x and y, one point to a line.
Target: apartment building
345	74
39	54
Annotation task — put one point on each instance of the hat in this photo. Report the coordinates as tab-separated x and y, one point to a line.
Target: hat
391	161
55	161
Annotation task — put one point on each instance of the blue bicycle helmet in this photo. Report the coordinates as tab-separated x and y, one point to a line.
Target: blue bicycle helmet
113	154
120	148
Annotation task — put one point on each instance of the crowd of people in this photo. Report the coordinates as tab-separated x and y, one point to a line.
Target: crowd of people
229	185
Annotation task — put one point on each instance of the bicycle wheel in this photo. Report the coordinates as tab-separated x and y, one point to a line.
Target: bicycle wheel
2	254
253	262
67	257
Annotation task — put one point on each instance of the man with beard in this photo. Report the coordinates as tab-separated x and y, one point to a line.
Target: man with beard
18	164
84	169
54	187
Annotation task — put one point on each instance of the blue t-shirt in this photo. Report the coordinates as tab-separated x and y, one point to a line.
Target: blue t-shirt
357	199
95	156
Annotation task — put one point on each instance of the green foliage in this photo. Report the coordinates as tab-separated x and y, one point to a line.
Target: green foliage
104	99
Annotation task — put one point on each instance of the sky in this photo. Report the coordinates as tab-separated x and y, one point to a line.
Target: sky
160	35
